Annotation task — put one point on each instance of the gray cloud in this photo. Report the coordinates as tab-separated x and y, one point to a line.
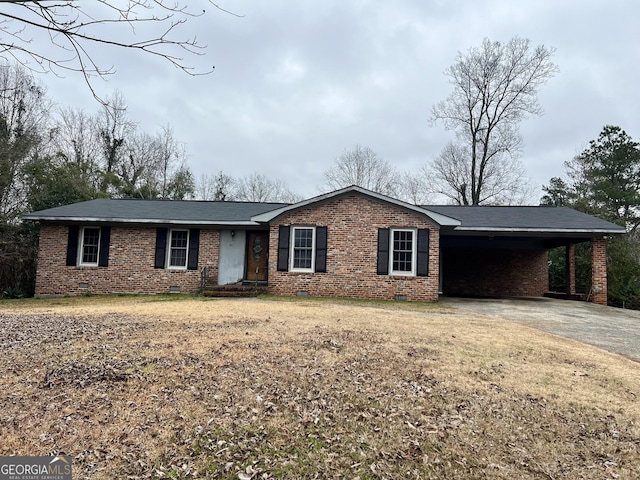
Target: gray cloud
298	82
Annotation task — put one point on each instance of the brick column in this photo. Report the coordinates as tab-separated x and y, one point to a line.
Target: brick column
599	271
570	269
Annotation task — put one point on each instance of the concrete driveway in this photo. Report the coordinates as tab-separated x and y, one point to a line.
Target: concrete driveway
612	329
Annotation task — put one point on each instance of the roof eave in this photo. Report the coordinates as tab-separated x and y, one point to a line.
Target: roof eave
154	221
541	230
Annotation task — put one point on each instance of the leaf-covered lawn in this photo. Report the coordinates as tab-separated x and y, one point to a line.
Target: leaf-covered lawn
259	389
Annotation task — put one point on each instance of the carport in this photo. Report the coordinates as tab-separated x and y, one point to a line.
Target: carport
503	251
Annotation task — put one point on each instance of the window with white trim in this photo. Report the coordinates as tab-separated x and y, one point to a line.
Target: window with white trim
303	246
178	249
89	246
402	260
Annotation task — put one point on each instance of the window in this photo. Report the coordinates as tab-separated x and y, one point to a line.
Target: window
303	246
89	246
403	257
178	248
403	251
302	249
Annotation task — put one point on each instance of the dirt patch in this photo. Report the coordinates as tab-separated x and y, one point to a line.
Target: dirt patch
138	388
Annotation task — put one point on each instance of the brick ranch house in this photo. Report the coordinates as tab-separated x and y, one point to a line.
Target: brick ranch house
349	243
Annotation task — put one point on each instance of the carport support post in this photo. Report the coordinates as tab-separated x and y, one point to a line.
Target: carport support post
599	271
571	269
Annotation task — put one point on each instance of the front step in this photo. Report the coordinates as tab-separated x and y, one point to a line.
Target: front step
233	290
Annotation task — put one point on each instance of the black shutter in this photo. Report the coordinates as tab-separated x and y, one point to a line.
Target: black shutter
105	239
284	233
423	252
72	245
383	251
194	247
321	249
161	247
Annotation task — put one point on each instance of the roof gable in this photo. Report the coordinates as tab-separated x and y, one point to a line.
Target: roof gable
437	218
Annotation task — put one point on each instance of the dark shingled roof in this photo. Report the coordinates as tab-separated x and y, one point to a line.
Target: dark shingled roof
540	218
156	211
472	218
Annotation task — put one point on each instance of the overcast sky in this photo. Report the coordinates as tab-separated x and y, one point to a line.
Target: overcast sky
298	82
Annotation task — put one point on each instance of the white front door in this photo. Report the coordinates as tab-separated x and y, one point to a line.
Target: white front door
231	261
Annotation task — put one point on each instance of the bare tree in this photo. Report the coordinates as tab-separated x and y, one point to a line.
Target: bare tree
416	187
24	118
170	154
214	187
117	158
113	128
137	170
74	137
450	174
494	88
76	28
173	179
74	143
363	167
23	99
504	182
259	188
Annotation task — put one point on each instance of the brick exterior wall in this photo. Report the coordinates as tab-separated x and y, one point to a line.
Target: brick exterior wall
487	272
131	264
352	223
599	271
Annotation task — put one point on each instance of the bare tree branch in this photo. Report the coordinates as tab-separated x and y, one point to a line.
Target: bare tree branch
76	27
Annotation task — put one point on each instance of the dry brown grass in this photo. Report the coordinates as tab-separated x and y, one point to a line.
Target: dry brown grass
148	387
